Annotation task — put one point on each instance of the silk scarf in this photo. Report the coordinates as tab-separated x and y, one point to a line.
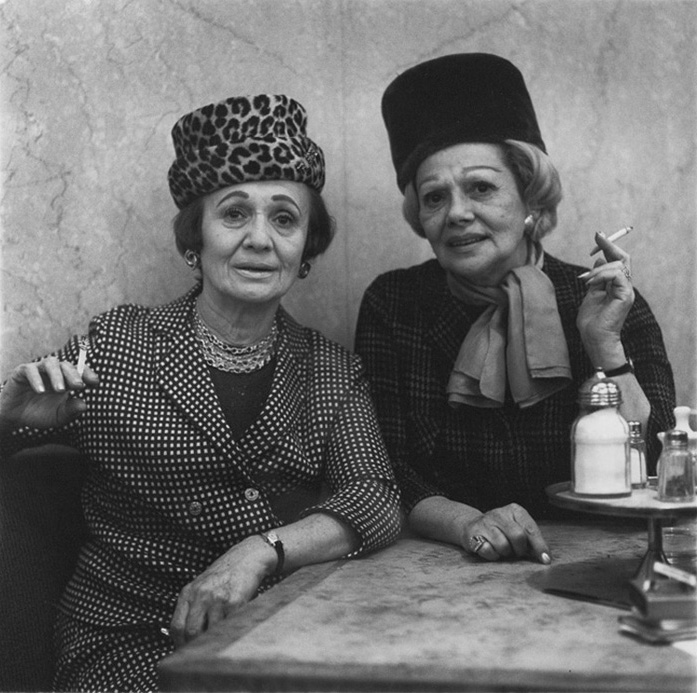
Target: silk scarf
517	342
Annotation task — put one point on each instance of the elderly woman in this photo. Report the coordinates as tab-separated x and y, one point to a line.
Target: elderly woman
475	358
228	445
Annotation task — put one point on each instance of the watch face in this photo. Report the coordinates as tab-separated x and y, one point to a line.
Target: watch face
273	537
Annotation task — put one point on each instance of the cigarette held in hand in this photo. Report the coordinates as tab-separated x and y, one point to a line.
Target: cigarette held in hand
613	238
82	358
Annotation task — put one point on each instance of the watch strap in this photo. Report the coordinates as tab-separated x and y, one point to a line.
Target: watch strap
271	538
627	367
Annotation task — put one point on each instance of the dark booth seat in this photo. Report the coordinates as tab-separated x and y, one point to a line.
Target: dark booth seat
41	530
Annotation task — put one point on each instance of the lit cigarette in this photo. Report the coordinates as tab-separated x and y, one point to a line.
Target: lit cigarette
614	237
82	358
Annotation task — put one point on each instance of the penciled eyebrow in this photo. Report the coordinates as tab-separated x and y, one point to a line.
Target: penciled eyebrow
464	169
234	193
286	198
245	196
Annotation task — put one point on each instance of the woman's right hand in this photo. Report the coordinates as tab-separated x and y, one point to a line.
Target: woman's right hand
226	585
38	394
507	532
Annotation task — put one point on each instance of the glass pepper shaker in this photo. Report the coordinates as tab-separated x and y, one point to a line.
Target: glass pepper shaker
637	455
682	423
676	479
600	463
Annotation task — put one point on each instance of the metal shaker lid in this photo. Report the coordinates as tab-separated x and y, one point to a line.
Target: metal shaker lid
676	437
599	391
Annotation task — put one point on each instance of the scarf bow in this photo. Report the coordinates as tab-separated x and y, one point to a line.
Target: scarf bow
517	342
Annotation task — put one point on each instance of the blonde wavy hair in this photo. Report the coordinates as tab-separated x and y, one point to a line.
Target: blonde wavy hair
538	184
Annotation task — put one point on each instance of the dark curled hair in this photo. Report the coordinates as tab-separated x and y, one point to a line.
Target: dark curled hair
188	227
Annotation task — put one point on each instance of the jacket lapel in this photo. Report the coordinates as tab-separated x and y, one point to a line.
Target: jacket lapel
183	374
445	325
288	392
448	328
184	377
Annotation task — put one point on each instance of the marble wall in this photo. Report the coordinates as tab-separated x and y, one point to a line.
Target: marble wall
91	89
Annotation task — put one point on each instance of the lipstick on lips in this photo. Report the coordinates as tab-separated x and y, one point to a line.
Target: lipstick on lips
255	268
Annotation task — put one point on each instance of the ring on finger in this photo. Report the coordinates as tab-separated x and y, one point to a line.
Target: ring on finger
626	271
477	543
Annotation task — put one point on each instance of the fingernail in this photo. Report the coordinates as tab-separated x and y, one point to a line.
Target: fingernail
545	558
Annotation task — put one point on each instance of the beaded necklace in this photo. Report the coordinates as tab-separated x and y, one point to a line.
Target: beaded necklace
230	358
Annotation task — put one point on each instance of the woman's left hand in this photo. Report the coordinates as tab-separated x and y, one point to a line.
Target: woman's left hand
226	585
608	301
507	532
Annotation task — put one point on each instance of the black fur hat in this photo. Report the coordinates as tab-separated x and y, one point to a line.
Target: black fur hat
464	97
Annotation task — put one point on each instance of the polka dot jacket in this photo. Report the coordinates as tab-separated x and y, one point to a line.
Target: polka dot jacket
169	489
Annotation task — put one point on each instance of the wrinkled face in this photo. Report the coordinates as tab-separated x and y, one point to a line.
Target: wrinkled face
472	213
253	239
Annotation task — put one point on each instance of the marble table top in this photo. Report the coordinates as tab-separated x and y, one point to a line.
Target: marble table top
422	615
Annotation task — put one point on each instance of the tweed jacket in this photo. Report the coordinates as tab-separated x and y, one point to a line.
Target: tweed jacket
169	490
410	329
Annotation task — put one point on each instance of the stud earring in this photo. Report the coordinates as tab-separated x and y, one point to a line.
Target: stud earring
529	224
304	270
192	259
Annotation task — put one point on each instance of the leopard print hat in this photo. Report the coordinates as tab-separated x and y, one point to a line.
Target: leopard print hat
242	139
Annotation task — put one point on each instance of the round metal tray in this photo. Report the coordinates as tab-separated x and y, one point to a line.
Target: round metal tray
642	503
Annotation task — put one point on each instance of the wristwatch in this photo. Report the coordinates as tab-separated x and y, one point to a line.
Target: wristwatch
627	367
271	538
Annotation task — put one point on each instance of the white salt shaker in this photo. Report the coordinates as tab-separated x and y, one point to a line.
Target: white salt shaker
600	458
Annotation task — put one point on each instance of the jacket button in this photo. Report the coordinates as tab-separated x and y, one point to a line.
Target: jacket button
251	494
195	508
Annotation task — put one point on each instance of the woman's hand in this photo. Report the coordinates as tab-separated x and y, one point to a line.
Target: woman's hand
38	394
232	580
606	305
226	585
507	532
